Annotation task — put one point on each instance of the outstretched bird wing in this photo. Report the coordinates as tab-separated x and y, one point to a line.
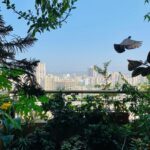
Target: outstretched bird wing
127	44
131	44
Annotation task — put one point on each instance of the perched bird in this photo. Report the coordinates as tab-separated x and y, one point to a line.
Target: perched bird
127	44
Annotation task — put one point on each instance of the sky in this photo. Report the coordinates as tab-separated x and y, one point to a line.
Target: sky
88	36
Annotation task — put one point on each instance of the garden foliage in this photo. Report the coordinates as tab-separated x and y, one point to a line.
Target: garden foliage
93	123
19	90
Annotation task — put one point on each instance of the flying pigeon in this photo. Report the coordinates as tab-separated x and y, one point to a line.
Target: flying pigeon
127	44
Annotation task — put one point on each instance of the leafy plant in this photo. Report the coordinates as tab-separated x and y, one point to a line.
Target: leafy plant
8	126
105	74
18	84
83	126
49	14
74	143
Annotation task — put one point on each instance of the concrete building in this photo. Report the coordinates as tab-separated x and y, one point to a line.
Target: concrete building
49	83
40	74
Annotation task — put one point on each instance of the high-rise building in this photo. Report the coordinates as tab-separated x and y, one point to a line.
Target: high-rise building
40	74
49	83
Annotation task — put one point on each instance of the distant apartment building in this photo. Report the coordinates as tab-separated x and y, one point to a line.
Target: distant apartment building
138	80
81	82
49	83
40	74
54	82
66	84
115	77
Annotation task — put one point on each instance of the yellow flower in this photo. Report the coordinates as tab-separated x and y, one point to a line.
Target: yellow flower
5	106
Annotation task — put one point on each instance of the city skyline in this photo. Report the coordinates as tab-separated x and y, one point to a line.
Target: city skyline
86	81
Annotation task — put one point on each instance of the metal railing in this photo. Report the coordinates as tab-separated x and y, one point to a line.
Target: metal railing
89	91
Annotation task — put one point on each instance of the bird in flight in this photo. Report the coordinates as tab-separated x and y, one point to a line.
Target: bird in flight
127	44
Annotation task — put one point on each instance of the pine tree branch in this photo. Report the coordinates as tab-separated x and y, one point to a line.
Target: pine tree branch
5	30
19	44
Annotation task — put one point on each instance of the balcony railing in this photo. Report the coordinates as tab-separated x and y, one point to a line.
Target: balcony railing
90	91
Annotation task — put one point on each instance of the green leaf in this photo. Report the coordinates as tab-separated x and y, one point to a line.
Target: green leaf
147	1
55	2
98	69
38	2
7	139
43	99
55	12
13	122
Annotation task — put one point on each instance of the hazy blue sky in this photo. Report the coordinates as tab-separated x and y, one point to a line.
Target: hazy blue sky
89	34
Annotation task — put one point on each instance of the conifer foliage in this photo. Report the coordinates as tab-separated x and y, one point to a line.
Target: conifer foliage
16	75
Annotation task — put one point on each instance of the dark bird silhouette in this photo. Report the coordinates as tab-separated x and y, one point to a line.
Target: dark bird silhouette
127	44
